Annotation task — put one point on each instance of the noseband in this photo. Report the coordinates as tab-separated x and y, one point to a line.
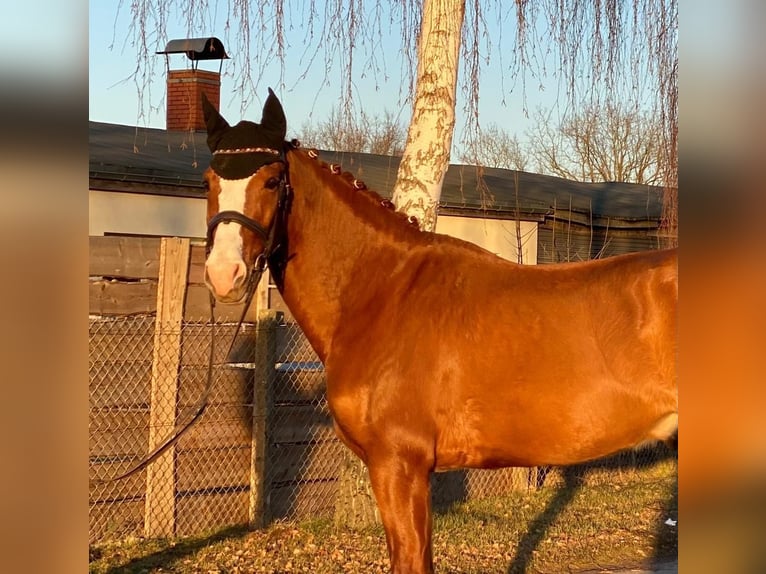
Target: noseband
235	217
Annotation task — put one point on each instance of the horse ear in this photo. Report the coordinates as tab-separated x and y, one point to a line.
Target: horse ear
274	116
216	125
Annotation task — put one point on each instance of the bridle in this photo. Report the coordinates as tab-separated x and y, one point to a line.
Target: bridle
268	236
272	241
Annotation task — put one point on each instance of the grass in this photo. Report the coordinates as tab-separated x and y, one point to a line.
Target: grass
566	527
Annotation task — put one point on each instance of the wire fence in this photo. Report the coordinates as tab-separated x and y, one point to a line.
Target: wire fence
264	449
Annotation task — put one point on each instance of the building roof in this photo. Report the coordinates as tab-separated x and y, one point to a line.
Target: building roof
156	161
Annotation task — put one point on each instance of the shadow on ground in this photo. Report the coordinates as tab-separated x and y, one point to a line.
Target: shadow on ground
181	550
666	539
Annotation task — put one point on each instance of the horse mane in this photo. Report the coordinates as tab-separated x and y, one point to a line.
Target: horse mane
374	208
356	192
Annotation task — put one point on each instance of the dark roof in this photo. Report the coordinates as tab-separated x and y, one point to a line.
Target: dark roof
136	159
146	160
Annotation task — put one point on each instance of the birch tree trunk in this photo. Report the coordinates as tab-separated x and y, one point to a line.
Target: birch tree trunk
429	139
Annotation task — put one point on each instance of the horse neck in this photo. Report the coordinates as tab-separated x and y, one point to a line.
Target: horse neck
338	248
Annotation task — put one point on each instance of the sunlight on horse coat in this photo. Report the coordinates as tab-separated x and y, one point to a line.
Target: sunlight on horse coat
440	355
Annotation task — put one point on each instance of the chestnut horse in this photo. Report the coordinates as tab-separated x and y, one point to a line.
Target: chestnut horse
440	355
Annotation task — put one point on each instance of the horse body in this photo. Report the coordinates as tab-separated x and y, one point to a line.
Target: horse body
500	364
440	355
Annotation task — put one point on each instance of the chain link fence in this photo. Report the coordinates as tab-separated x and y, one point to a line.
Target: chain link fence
205	480
264	449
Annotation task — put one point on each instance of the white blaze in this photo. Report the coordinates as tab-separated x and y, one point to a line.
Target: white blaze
227	244
226	255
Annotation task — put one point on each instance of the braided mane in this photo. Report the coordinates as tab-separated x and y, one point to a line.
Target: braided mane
357	186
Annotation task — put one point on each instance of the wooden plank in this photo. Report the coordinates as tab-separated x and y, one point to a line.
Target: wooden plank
300	386
197	341
129	488
129	257
262	291
197	306
263	381
301	424
118	298
109	339
299	501
292	345
118	433
213	469
306	462
221	426
197	265
160	487
211	511
231	386
119	384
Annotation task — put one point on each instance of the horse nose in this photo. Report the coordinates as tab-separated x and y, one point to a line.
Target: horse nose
225	278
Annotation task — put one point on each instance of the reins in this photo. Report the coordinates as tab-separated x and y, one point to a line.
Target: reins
260	264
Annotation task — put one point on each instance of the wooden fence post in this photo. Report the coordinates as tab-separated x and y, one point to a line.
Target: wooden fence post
263	384
159	514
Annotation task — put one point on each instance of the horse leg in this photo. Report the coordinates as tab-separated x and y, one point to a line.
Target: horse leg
402	491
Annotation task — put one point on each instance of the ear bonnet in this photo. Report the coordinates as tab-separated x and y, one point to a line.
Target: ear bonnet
240	151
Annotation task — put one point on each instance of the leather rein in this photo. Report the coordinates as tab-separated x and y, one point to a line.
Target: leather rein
271	238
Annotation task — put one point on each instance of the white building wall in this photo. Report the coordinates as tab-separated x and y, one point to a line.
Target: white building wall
145	214
496	235
158	215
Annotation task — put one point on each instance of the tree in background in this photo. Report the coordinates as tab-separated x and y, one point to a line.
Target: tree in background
600	143
365	133
495	147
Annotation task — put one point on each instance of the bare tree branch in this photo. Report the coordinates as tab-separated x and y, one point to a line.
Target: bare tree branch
601	143
360	133
494	147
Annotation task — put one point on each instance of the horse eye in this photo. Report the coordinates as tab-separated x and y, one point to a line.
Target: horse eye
271	183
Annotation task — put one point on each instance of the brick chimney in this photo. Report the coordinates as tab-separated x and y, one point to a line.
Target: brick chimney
184	98
185	87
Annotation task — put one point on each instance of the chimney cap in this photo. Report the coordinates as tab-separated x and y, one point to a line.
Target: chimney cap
197	48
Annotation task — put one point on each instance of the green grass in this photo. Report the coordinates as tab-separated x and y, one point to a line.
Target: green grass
560	529
564	527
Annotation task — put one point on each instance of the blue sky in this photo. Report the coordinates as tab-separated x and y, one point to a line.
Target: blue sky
309	96
114	98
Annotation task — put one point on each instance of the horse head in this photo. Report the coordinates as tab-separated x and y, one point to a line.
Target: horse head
245	189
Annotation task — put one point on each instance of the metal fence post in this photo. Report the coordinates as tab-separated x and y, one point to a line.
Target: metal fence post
159	514
263	385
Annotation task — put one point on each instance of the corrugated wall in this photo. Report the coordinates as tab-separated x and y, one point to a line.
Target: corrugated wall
561	241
